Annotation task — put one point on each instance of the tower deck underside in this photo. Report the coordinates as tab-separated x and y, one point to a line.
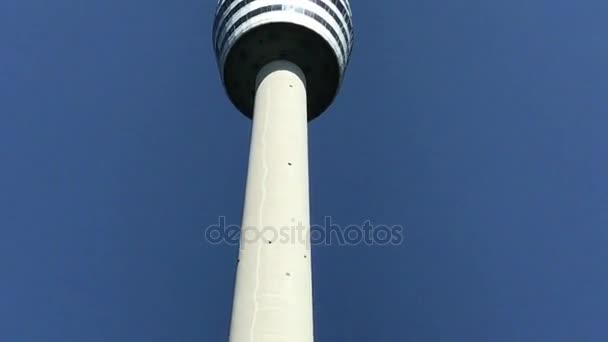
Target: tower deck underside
282	41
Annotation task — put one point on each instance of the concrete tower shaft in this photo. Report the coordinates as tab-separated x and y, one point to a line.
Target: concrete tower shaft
316	35
273	289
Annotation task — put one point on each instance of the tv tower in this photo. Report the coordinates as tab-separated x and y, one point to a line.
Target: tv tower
282	62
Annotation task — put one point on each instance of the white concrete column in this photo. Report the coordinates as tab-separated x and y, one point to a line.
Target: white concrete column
273	291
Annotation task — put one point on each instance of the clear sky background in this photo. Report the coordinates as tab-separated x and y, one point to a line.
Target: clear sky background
480	126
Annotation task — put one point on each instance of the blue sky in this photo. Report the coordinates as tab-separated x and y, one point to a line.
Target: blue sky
477	125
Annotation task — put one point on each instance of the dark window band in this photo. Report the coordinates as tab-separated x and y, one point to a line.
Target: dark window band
339	4
272	8
221	19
